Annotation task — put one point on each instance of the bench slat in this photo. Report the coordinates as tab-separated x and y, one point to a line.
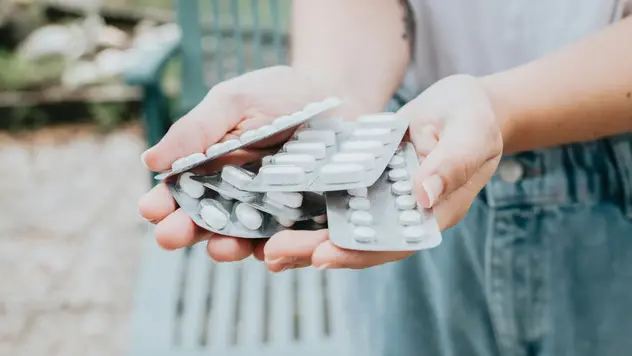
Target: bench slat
281	308
252	323
222	316
197	286
156	297
311	299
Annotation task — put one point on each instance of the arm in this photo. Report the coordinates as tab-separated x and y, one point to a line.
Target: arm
355	48
580	93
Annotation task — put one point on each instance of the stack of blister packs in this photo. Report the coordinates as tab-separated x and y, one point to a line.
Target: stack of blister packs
353	177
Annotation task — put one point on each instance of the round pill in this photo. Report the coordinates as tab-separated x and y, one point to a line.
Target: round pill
359	203
405	202
377	134
364	234
321	219
359	192
365	159
213	150
384	120
285	222
213	216
373	147
403	187
248	136
361	218
225	197
250	217
316	149
230	145
282	121
282	175
188	161
267	160
409	217
313	108
305	161
327	137
290	199
189	186
237	177
397	174
336	173
266	130
289	120
397	162
414	234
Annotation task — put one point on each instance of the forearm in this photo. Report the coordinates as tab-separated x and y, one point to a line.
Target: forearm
580	93
359	49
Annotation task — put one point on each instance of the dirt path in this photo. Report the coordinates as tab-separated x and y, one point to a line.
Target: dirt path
69	240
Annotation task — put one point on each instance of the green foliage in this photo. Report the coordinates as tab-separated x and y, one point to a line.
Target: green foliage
107	115
18	74
25	118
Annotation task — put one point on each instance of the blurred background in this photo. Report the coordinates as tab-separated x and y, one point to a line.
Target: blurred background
85	86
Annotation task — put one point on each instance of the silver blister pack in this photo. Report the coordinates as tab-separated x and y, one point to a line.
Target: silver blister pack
216	214
384	216
293	206
280	124
335	155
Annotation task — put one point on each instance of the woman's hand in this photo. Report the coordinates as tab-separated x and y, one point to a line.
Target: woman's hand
249	101
459	142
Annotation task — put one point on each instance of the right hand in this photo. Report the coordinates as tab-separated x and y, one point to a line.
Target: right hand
242	103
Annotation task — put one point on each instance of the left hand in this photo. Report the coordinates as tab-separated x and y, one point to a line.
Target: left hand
457	134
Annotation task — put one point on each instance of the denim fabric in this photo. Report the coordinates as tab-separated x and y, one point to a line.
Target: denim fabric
539	266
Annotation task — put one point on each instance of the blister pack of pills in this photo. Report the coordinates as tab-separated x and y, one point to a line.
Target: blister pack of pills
288	206
330	155
247	138
384	216
231	217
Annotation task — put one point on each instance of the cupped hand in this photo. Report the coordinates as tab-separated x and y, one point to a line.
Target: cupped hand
249	101
458	139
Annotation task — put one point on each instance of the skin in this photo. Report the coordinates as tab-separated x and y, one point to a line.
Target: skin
460	126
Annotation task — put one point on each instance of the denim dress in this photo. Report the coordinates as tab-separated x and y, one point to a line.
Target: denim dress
542	263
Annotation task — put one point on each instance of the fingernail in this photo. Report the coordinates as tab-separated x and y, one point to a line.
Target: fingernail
283	260
433	187
322	267
142	159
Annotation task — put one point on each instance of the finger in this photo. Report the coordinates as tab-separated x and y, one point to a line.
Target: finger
157	204
258	251
459	154
178	230
425	139
445	213
292	249
329	256
203	126
228	249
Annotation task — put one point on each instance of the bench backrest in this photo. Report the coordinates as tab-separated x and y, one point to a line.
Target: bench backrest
225	38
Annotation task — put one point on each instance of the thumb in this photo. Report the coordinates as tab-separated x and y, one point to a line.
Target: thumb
457	156
203	126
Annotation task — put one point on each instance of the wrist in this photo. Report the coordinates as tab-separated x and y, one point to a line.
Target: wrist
501	94
358	99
